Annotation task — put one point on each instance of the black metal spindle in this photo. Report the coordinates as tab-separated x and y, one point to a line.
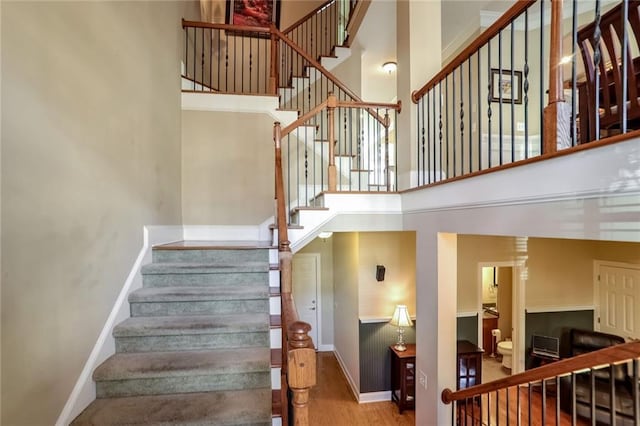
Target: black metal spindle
541	82
574	414
529	403
479	60
186	51
500	100
461	121
636	390
526	83
195	48
543	414
202	62
513	99
507	405
592	394
518	407
453	122
625	64
612	393
490	91
440	127
574	83
497	408
446	126
488	408
558	396
433	138
210	59
469	131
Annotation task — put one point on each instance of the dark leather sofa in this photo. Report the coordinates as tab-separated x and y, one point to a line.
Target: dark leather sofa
583	341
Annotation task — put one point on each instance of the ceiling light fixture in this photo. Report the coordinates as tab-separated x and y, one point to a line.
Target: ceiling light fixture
390	67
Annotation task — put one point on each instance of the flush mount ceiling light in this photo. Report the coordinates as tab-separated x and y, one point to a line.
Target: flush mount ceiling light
324	235
390	67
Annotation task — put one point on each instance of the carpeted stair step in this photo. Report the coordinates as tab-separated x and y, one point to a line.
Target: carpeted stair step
155	373
164	301
210	255
171	333
238	408
200	274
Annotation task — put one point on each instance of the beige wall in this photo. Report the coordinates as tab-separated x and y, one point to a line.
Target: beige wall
559	272
217	150
505	300
345	288
396	251
90	154
292	10
325	249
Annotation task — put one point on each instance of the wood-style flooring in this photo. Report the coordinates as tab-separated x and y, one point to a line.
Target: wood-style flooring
333	404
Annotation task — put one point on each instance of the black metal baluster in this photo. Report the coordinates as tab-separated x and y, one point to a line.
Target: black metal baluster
612	389
541	82
529	403
488	408
186	51
461	122
636	390
470	103
453	121
490	87
625	64
500	99
421	141
446	126
592	393
518	407
210	59
434	138
544	402
218	59
574	414
574	83
558	396
507	405
497	408
202	62
195	48
597	58
235	62
479	111
526	83
513	100
440	126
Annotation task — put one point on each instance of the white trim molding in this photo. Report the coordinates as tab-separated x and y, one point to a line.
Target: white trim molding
466	314
352	383
367	397
569	308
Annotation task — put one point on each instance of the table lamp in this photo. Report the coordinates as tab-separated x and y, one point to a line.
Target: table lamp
401	319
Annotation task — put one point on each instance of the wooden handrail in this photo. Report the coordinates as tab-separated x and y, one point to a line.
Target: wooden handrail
512	13
611	355
303	119
355	104
226	27
307	16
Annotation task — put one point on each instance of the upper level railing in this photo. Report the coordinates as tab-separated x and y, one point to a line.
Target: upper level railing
546	76
606	382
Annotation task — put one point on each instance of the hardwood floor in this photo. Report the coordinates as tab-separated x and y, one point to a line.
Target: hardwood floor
333	404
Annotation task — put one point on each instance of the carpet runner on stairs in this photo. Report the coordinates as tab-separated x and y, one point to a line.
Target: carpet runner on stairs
196	348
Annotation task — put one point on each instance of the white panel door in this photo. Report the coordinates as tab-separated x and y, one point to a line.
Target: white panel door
619	301
306	280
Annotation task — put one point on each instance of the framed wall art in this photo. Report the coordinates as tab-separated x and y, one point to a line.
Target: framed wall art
506	88
253	13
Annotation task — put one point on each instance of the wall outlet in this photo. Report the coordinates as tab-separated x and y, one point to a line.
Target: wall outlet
520	126
422	379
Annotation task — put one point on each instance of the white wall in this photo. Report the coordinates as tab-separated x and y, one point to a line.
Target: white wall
218	148
90	154
345	319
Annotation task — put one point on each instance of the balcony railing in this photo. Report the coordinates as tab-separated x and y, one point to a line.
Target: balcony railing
543	78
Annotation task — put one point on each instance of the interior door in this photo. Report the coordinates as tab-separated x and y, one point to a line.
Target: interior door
306	280
619	301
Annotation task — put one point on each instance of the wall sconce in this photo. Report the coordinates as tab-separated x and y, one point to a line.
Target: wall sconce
390	67
325	235
401	319
380	270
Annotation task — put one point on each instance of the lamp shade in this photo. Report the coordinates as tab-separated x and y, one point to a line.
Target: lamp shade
401	317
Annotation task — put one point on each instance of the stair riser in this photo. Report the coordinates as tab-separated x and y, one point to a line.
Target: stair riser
205	256
191	342
150	309
186	384
203	280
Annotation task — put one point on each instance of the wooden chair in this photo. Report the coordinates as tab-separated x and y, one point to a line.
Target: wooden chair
610	89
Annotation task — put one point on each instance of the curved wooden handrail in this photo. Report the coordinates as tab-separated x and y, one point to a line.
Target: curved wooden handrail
353	104
307	16
512	13
611	355
226	27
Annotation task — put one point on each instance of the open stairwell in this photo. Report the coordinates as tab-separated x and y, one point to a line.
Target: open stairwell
196	349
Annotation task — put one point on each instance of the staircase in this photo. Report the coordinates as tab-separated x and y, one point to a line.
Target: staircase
196	349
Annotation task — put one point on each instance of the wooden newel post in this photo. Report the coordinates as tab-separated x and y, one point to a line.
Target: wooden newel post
332	103
557	114
302	370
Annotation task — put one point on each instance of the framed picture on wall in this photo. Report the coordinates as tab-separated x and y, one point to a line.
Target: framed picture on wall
506	85
253	13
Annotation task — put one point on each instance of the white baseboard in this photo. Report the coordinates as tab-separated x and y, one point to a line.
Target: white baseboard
326	348
222	233
84	391
365	398
352	384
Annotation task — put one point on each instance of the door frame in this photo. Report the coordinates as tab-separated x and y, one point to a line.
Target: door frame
596	284
517	308
318	293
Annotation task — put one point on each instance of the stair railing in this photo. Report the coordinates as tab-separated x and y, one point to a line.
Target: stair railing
338	146
536	393
298	372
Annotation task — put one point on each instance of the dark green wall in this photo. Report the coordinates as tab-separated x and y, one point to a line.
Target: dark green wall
554	324
375	358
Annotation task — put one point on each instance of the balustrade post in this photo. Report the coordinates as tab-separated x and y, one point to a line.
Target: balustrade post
557	114
332	103
302	370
